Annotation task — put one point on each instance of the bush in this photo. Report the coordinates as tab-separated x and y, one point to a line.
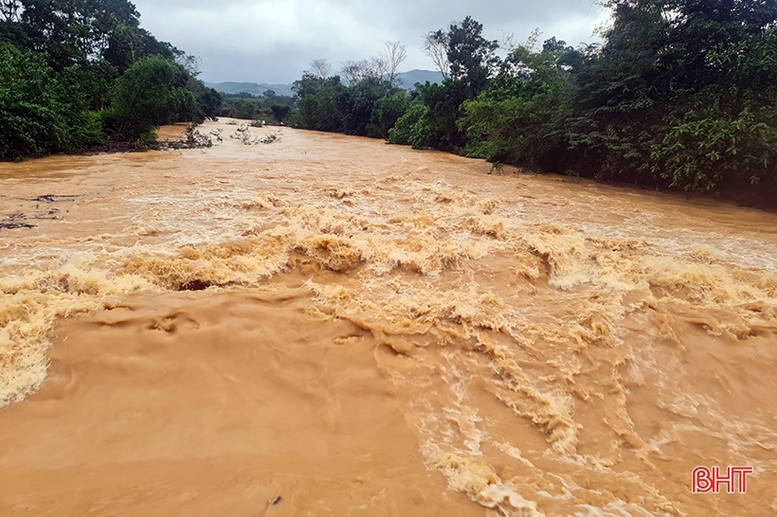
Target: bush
437	127
708	150
385	114
408	129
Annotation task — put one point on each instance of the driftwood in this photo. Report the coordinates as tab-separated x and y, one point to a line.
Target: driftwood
41	211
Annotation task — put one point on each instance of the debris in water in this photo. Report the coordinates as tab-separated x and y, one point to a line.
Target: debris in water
51	198
10	224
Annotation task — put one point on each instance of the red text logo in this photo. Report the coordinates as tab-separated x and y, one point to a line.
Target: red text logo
705	480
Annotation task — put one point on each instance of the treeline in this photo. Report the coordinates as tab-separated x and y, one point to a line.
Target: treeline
268	107
368	105
81	73
680	94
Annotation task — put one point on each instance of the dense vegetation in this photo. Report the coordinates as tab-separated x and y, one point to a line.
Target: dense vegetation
79	73
268	107
680	94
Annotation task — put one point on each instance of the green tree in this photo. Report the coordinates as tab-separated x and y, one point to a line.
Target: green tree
408	129
124	47
471	61
681	94
520	117
245	108
619	101
70	31
317	103
721	132
438	127
385	114
280	111
471	56
14	33
40	111
357	103
147	96
210	101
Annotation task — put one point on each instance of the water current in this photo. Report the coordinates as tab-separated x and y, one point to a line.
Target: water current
330	326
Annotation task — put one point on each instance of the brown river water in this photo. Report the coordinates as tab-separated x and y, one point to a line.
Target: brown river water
364	329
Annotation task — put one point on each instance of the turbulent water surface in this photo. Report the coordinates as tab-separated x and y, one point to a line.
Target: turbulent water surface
330	326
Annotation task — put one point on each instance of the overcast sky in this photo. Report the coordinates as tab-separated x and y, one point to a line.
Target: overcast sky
273	41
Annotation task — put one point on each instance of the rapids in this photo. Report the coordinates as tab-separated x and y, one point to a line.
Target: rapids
364	329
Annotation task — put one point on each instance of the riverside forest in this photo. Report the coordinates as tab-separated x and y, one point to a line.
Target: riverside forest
679	94
352	297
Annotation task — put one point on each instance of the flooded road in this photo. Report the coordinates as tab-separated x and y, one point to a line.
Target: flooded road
330	326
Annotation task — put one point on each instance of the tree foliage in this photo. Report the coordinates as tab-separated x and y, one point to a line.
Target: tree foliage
679	94
76	71
407	130
385	114
471	57
317	106
146	96
268	107
520	117
40	111
357	103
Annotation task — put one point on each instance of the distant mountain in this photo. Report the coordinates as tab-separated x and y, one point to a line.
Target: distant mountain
252	88
406	80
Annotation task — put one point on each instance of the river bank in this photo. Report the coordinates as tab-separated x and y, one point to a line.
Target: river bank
363	329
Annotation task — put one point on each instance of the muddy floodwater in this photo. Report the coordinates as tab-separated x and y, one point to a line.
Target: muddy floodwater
330	326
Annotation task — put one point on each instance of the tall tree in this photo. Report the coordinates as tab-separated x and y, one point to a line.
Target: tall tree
40	111
681	91
519	118
317	106
470	55
358	102
72	31
148	95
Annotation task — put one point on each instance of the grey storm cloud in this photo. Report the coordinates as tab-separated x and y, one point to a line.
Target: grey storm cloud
273	41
